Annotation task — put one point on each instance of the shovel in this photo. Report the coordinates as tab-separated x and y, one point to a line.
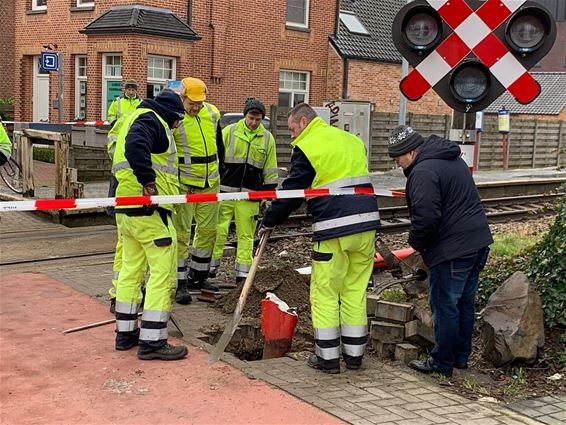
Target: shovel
235	320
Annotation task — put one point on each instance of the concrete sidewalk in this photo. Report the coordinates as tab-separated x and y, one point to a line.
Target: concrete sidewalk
48	377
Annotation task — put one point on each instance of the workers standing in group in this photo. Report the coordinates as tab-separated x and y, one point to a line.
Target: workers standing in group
344	230
5	145
145	163
449	228
250	164
126	104
201	153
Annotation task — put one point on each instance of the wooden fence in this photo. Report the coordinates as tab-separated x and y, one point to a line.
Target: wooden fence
531	143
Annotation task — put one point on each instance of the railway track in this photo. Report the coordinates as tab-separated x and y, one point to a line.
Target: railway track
394	220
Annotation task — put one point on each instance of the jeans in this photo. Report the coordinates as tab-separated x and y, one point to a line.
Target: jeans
452	291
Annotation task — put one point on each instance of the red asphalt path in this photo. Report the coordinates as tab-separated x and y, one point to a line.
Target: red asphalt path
47	377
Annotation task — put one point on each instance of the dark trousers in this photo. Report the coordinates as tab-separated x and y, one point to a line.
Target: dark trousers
452	291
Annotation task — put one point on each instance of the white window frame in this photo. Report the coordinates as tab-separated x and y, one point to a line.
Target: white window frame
161	81
294	91
85	3
36	6
304	24
78	80
106	77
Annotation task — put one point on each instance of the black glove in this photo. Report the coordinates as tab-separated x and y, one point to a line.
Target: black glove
150	189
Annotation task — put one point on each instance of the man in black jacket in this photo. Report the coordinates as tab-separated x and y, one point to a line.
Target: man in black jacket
449	228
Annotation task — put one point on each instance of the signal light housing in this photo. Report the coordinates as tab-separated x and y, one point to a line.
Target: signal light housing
470	71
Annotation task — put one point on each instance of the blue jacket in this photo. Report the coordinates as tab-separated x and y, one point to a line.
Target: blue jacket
447	218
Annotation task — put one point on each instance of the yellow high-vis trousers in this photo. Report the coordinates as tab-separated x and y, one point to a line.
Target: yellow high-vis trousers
205	215
245	217
116	265
341	269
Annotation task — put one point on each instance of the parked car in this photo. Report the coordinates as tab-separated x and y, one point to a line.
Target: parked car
232	117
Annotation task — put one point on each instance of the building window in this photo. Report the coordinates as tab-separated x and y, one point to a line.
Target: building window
298	13
85	3
293	88
111	80
352	23
159	70
38	4
80	87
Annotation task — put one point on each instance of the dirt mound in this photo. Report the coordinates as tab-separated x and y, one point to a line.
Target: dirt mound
279	279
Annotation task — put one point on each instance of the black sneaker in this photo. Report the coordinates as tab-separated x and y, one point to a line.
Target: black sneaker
167	352
113	305
182	296
313	362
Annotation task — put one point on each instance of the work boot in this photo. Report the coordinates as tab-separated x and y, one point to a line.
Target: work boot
240	280
182	296
212	274
315	364
127	340
199	285
167	352
113	305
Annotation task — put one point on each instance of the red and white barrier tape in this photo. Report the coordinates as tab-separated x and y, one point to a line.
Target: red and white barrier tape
56	204
89	123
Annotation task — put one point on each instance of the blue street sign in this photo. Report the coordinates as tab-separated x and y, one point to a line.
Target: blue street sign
49	61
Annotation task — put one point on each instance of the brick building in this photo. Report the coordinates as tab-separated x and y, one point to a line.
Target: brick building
7	43
277	51
555	61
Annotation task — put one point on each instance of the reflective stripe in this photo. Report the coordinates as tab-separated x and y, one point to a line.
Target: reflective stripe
166	169
326	333
249	161
181	263
244	268
201	253
212	115
123	165
347	181
270	181
232	189
182	275
126	308
156	315
354	350
116	276
271	171
126	325
186	148
354	331
153	334
231	148
195	177
241	274
327	353
345	221
214	263
201	267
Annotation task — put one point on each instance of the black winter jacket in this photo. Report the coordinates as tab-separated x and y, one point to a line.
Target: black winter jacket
447	218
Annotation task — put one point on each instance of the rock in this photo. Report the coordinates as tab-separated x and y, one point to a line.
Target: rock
513	328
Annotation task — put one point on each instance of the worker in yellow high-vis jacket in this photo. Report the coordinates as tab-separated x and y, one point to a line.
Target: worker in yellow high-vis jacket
126	104
250	164
5	145
201	153
343	233
145	163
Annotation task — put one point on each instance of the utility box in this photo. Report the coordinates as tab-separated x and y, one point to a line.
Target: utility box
353	117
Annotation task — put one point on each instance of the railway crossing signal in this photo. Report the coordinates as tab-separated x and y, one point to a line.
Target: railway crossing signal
471	51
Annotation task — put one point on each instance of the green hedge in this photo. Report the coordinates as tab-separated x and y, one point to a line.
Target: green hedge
44	154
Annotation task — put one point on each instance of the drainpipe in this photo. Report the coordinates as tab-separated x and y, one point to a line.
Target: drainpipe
337	18
345	79
189	12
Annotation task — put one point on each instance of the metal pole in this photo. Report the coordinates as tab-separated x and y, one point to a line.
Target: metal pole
403	99
61	85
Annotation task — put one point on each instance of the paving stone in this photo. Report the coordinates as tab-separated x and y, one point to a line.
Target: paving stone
532	403
395	312
549	409
527	411
334	394
443	402
342	413
380	393
451	409
549	420
363	398
362	413
321	403
482	421
549	400
383	419
361	422
405	414
375	410
432	416
560	416
406	353
408	398
415	421
344	404
418	391
418	406
508	420
389	402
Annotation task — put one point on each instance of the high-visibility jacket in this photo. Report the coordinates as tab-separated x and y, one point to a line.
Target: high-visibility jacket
112	135
251	159
122	106
196	148
5	143
339	160
165	164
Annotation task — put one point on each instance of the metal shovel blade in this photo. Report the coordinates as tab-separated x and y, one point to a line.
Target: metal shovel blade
237	316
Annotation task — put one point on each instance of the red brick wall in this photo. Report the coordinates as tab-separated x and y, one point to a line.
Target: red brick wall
555	60
243	48
335	76
8	28
379	83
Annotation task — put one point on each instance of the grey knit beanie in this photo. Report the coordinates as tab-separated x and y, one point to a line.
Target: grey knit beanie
253	103
402	140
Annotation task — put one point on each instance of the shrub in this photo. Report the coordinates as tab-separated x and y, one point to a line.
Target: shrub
44	154
547	270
